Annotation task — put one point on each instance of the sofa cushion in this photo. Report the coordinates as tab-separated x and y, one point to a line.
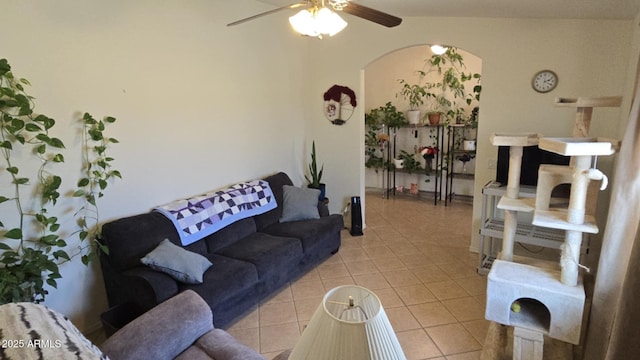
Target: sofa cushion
299	204
276	182
230	234
310	232
180	264
268	253
226	278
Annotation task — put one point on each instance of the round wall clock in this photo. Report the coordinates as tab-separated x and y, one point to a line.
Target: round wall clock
544	81
339	102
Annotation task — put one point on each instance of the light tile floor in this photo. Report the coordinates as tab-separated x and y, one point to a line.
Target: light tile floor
415	257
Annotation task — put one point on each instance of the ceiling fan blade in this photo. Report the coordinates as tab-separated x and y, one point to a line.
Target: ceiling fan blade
372	15
292	6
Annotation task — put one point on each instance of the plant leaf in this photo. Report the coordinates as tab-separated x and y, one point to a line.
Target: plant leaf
61	254
32	127
55	142
15	233
52	283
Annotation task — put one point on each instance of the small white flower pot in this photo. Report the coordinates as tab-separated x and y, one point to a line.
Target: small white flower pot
414	116
469	145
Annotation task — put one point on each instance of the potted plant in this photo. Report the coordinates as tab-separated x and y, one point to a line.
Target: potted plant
464	158
409	162
374	142
446	79
414	94
314	181
428	153
411	165
471	129
439	105
387	115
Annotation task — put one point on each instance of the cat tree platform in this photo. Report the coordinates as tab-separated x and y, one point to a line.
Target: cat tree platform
603	101
579	146
520	139
545	304
557	219
584	109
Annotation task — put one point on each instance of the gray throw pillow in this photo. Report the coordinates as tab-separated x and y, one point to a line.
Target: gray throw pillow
299	203
182	265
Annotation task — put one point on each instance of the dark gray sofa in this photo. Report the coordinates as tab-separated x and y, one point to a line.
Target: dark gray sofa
252	258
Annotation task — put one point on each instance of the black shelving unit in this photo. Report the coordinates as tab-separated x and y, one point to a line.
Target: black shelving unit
439	161
453	151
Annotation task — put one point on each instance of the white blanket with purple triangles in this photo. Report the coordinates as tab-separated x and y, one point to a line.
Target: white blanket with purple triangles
205	214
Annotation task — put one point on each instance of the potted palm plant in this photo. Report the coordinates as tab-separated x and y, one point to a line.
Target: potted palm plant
315	175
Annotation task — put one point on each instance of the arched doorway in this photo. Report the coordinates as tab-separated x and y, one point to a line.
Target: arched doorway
384	79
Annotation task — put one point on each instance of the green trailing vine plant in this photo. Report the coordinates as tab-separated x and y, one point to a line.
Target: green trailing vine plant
97	173
31	245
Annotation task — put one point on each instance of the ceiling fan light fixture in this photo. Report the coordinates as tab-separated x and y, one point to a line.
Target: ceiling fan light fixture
317	22
302	22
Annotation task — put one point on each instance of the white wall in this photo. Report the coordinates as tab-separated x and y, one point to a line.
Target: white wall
199	105
589	56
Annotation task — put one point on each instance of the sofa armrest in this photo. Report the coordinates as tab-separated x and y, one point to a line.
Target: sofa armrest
220	345
147	287
164	331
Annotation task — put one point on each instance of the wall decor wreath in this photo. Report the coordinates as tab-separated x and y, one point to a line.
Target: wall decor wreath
339	103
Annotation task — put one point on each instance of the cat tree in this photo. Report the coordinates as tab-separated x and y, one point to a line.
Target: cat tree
537	297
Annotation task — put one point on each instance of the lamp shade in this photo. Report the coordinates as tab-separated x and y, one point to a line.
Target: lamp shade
350	323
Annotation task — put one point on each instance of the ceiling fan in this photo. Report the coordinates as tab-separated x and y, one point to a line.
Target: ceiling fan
313	9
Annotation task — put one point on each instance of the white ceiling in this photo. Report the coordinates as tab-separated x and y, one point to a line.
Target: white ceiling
556	9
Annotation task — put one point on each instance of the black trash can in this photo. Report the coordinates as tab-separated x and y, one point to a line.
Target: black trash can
118	316
356	216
